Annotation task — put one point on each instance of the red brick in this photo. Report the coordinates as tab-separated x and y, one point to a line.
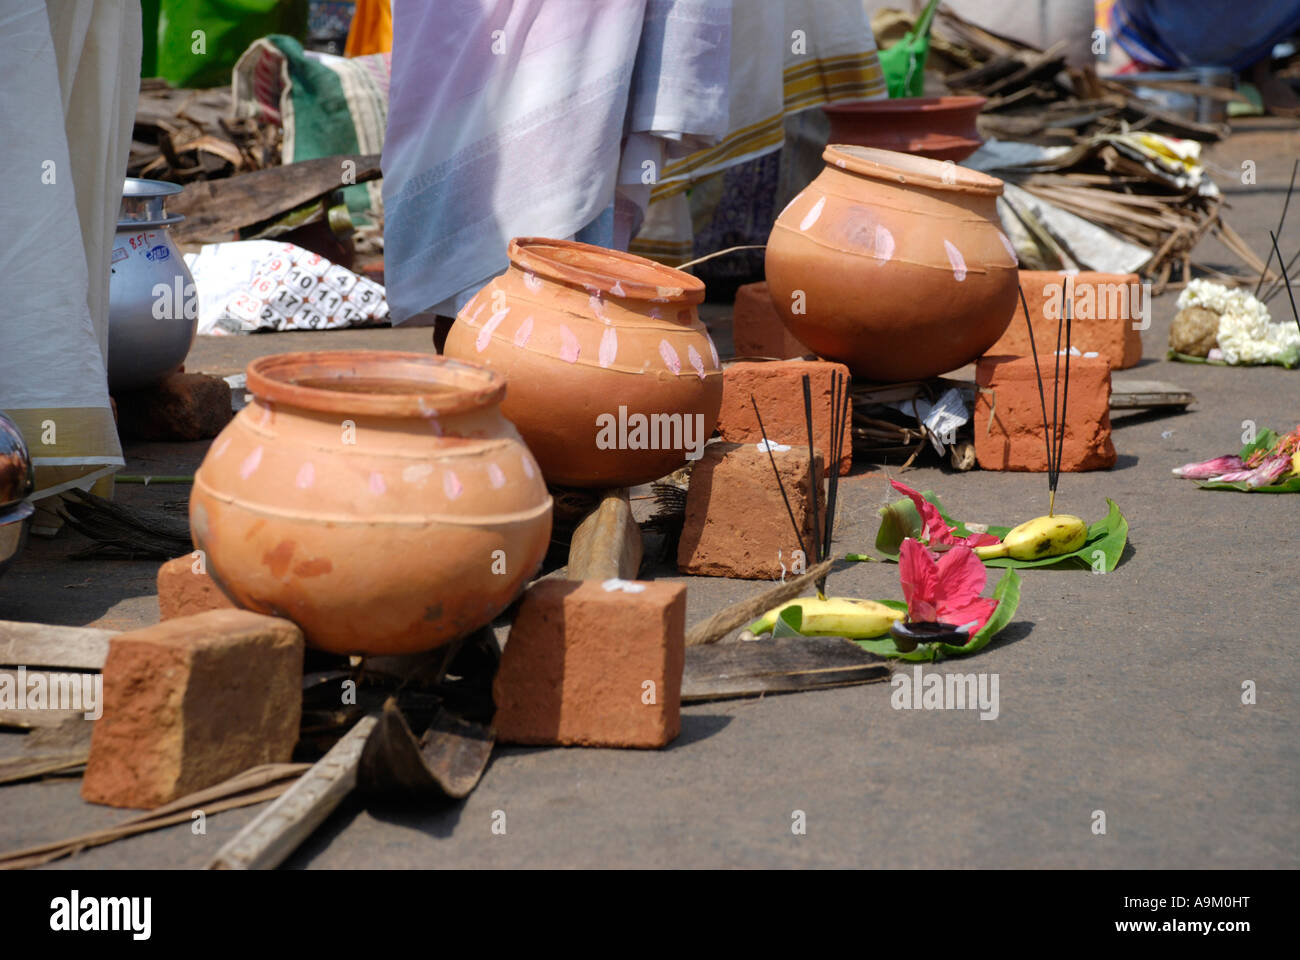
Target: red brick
736	523
1013	440
777	388
579	659
191	702
185	588
185	406
1102	324
757	329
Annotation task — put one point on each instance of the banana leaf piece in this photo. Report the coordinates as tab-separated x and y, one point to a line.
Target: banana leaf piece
1007	593
1266	439
900	520
1290	360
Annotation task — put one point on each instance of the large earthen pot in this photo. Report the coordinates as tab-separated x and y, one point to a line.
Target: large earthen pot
893	264
378	499
613	378
941	128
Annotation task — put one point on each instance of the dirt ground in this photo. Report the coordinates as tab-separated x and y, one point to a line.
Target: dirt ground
1120	693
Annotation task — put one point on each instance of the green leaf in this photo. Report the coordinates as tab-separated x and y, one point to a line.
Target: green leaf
788	622
1290	359
1290	485
1007	593
1109	535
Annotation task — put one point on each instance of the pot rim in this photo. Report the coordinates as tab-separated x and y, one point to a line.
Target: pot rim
890	166
945	104
580	266
272	378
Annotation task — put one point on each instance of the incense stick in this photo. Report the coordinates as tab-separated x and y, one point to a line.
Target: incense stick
767	445
1065	401
1286	280
1281	220
1038	373
812	470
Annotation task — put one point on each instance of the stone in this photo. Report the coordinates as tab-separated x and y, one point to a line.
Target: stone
1105	307
184	406
757	329
1009	414
184	588
594	663
191	702
736	523
777	388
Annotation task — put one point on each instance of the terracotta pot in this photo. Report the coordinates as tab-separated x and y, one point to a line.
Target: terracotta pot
593	343
377	499
893	264
941	128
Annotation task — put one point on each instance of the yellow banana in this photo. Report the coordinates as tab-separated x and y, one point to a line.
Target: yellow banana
834	617
1039	538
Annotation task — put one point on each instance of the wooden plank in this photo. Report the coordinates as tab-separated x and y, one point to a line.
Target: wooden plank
215	209
783	665
46	645
16	769
30	718
277	831
1141	394
607	543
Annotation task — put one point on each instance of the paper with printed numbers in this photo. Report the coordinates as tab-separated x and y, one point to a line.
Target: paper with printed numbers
253	285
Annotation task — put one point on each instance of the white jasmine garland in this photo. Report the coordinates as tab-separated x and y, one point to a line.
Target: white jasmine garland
1246	333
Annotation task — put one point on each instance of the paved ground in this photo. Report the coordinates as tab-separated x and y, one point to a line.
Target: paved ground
1119	693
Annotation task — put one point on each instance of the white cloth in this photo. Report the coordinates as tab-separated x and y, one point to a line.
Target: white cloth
70	74
507	120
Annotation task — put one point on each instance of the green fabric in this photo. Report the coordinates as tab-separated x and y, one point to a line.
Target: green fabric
903	64
228	27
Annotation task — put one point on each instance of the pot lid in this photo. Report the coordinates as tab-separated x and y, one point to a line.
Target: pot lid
909	169
614	272
908	105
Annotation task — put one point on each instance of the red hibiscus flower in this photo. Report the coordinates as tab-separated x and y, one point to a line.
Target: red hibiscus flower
947	590
935	531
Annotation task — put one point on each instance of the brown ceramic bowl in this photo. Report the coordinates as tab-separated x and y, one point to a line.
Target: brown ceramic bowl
941	128
893	264
378	499
594	344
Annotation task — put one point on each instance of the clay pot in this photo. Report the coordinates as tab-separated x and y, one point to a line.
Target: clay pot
941	128
893	264
595	343
377	499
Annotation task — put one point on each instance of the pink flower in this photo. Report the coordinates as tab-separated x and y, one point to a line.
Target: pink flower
947	590
936	532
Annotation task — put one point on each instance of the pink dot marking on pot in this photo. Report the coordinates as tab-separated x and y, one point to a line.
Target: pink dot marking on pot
485	334
417	472
569	348
671	360
250	463
377	485
713	350
220	447
531	281
696	360
786	207
957	261
884	243
306	476
617	289
529	470
495	476
597	305
1011	250
268	411
473	317
811	216
524	332
608	347
451	484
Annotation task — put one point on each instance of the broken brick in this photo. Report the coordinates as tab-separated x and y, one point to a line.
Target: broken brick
185	588
757	329
1105	307
736	522
777	388
1009	414
191	702
184	406
595	664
